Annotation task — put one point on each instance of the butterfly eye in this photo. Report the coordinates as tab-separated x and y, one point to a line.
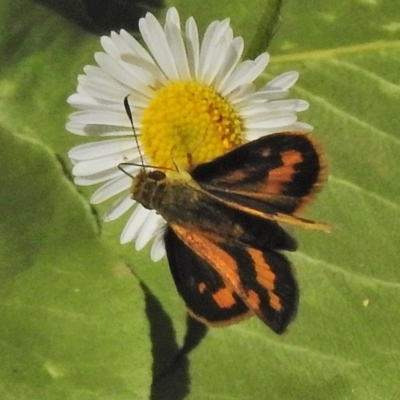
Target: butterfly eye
156	175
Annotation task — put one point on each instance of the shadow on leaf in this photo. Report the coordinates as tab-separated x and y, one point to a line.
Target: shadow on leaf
171	379
102	16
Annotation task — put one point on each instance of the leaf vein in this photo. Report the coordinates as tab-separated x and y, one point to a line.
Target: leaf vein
371	75
314	55
351	274
346	115
358	188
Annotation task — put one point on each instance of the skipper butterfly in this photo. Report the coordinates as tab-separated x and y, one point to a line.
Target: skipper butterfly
224	238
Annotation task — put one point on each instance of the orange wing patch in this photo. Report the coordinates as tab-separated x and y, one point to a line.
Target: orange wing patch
206	248
223	297
277	178
266	278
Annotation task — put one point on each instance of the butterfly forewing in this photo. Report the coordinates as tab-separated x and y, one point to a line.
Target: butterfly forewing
276	173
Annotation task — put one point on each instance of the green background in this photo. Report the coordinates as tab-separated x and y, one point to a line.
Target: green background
82	317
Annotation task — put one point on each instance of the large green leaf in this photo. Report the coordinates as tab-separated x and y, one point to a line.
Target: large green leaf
72	319
77	324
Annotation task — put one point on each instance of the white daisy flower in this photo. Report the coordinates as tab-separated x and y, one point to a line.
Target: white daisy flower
187	96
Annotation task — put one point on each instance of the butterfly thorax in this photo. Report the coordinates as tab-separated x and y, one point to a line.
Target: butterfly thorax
156	190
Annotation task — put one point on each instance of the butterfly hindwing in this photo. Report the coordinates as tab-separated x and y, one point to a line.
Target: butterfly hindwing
200	286
227	281
277	173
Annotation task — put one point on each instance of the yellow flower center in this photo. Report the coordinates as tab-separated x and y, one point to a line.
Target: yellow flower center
187	124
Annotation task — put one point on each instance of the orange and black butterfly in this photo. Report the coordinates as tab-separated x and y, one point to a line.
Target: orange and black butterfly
224	238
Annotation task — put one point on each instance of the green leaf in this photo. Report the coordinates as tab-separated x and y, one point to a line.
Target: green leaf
77	324
73	321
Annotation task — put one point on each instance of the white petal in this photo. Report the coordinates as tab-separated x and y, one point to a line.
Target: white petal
284	81
270	94
158	248
148	230
107	43
155	39
212	41
193	46
103	89
99	177
213	33
295	105
121	206
254	110
174	38
230	62
101	118
135	46
172	16
111	188
241	95
298	105
103	148
108	174
268	116
122	46
88	103
271	123
116	70
260	109
95	72
213	63
254	134
299	126
149	74
98	130
213	51
134	224
89	167
246	73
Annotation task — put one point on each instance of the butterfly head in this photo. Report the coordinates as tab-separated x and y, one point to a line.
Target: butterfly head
147	187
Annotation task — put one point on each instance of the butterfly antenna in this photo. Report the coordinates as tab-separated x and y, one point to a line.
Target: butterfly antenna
142	164
129	114
121	168
195	147
172	158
